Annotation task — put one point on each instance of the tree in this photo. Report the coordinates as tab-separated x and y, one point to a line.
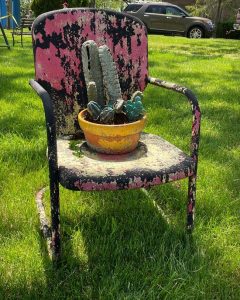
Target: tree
41	6
25	6
215	9
109	4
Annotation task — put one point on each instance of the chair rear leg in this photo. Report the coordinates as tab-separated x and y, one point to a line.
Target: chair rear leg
191	202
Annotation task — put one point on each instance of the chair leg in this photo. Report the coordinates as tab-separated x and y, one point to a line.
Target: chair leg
55	221
191	202
50	233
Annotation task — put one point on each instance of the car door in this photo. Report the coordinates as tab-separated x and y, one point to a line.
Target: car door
154	17
176	19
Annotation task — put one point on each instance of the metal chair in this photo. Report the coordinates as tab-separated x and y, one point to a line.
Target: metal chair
59	81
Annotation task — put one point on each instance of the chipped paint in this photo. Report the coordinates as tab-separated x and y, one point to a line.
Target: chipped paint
57	40
154	162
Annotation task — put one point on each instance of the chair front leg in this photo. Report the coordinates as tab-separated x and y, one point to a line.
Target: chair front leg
55	216
191	202
53	168
196	120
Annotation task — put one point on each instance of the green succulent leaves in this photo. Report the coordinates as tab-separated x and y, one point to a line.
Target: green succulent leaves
134	110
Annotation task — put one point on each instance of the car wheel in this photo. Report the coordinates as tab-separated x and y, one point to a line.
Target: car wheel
196	33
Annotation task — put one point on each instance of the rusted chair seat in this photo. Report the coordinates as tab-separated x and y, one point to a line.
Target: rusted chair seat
155	161
59	81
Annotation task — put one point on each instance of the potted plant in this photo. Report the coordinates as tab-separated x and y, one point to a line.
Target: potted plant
110	124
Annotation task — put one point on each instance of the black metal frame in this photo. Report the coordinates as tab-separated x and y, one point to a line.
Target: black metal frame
52	234
194	146
25	23
53	169
4	36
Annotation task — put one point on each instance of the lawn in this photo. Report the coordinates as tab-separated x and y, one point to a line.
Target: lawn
125	245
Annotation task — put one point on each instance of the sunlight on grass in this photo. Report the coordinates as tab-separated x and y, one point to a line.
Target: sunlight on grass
119	245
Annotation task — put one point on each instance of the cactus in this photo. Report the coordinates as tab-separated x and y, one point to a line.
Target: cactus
118	105
134	110
110	75
92	91
107	115
92	69
137	96
101	78
94	110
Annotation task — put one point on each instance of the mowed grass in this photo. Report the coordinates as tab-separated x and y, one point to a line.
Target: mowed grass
125	245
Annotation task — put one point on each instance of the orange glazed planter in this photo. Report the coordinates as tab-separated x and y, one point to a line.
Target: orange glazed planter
111	139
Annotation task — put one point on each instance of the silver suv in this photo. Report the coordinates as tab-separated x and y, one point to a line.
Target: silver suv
167	18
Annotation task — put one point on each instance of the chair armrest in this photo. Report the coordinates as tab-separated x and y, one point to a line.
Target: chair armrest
195	112
51	129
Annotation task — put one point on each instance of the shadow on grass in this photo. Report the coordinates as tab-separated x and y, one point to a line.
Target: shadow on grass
20	124
122	247
127	249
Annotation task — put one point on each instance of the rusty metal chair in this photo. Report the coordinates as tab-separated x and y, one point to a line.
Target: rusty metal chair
59	81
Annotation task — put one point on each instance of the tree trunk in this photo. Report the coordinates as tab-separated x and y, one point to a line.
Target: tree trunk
92	3
9	12
218	14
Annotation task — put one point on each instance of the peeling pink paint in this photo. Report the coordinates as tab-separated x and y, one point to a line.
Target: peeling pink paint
90	186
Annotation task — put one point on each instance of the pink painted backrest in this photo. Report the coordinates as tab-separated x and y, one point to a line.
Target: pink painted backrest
57	40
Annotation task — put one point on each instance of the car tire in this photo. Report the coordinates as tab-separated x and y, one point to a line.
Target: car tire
196	32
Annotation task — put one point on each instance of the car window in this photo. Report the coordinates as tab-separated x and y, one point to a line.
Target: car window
156	9
174	11
133	7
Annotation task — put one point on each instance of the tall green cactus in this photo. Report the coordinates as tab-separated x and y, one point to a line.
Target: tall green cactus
110	75
92	71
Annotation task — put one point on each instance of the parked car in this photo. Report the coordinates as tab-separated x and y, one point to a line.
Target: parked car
167	18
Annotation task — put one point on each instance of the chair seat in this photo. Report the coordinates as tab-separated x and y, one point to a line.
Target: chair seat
155	161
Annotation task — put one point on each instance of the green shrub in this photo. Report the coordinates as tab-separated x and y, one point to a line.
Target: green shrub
41	6
25	7
222	28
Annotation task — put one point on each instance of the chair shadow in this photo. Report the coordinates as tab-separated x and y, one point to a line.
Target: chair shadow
115	243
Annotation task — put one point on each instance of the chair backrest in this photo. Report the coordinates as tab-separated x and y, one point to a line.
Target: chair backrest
26	22
57	40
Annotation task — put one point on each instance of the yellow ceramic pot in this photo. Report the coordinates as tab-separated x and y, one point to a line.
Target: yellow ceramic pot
111	139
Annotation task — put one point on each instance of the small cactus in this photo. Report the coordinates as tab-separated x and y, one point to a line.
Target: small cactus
134	110
107	115
94	110
137	96
92	91
118	105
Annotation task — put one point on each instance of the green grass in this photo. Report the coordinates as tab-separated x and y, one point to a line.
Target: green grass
124	245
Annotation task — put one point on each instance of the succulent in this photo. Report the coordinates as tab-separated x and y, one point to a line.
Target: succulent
136	96
101	78
110	75
92	91
134	110
92	69
94	110
107	115
118	105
